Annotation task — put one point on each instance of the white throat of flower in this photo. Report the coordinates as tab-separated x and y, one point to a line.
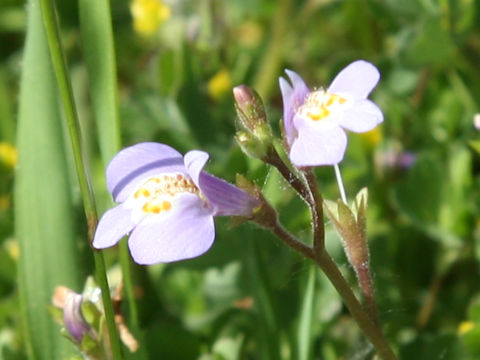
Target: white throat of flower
158	194
322	105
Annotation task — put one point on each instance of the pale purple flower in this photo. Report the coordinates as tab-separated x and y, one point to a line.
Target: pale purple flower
73	318
392	159
167	203
315	121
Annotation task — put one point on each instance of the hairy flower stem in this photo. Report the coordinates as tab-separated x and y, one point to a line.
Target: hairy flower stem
274	159
316	208
364	321
308	190
65	88
328	266
366	286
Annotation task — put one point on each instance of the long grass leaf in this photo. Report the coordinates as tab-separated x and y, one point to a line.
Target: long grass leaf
43	207
99	53
304	330
57	55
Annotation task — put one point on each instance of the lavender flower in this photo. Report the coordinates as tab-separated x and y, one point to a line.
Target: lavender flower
315	121
73	318
167	203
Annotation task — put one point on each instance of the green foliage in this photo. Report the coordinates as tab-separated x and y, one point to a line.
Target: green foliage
249	297
44	214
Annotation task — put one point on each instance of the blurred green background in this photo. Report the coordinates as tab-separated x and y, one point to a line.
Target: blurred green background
177	62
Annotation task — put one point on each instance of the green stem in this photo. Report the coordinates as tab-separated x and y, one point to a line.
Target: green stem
371	331
316	208
274	159
366	286
59	65
328	266
341	188
128	285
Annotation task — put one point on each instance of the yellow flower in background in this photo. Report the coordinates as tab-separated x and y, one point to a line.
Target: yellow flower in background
5	203
220	84
148	15
249	34
373	137
465	326
8	155
12	248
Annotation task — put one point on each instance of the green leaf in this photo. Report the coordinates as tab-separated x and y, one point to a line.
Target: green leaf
432	44
307	316
43	205
475	144
99	53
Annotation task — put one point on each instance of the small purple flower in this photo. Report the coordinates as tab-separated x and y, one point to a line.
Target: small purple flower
395	160
167	203
73	318
315	121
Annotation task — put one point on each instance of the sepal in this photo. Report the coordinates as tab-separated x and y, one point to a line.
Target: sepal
254	134
350	223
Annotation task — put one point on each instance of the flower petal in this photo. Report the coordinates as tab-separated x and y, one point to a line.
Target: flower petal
185	233
113	225
225	198
137	162
293	96
73	318
357	80
319	146
363	116
195	161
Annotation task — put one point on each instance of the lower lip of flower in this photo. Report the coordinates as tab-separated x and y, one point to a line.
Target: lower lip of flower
156	195
321	104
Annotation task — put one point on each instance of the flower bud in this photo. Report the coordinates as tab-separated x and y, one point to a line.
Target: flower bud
254	134
70	305
75	323
249	106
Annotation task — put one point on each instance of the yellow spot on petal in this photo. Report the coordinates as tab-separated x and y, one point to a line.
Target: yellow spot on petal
166	205
155	196
220	84
465	326
151	207
142	192
320	105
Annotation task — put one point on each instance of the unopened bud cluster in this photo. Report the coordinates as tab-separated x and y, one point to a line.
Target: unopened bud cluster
254	134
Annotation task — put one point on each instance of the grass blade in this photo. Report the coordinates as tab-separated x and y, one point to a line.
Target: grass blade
43	205
304	331
99	53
